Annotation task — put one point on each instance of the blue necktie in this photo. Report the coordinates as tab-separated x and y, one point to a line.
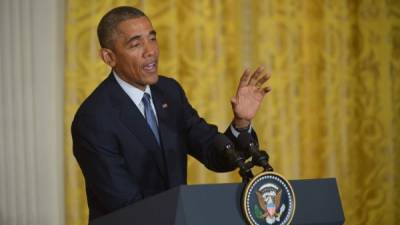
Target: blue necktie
150	116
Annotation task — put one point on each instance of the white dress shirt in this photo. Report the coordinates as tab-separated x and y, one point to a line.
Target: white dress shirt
135	94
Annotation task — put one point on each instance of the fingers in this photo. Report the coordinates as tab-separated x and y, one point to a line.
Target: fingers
254	78
263	91
262	80
258	79
266	89
244	80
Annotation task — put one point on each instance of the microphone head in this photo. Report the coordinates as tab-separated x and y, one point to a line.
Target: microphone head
244	140
222	142
225	147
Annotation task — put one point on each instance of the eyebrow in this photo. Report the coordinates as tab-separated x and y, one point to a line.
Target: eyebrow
152	32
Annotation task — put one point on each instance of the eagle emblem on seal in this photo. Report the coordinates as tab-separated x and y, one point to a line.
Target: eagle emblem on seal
269	200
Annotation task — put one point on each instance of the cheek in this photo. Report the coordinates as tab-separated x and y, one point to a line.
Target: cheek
130	63
134	62
136	66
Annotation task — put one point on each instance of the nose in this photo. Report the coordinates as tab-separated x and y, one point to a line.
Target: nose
150	49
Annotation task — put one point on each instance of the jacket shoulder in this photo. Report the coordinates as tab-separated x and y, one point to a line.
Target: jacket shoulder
98	102
168	82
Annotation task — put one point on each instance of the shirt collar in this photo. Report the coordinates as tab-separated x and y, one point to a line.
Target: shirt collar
134	93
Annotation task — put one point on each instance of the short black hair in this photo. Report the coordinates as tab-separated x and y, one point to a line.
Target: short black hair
107	28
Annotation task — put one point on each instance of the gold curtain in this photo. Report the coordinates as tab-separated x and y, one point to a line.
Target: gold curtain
335	106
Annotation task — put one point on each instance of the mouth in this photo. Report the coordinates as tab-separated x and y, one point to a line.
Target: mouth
150	67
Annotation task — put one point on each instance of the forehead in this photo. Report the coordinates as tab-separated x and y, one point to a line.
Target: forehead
135	26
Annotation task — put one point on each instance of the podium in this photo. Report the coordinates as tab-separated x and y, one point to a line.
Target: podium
317	203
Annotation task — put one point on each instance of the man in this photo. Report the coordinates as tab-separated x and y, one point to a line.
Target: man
131	136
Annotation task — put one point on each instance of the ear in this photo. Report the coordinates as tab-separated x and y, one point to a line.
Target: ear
107	55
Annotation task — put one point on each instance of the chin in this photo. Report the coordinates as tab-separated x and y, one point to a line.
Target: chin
153	79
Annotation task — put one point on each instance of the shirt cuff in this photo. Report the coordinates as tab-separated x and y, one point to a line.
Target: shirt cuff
236	132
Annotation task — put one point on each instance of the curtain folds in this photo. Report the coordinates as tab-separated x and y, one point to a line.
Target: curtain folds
334	109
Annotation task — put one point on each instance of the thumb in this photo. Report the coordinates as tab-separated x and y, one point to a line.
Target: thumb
234	100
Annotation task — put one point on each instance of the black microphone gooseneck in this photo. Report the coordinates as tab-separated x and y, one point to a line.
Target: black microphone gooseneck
223	144
259	158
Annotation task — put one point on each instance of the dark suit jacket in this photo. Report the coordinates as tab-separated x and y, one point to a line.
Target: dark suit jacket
118	154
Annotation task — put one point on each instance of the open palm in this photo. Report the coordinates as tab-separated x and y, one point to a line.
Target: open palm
249	95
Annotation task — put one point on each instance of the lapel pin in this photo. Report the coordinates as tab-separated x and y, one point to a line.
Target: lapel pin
165	105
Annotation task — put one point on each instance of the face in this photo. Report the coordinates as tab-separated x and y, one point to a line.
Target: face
135	54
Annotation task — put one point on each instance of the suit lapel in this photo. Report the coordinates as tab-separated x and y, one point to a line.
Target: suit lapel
133	119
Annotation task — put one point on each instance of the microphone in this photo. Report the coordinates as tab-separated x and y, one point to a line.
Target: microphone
260	158
224	145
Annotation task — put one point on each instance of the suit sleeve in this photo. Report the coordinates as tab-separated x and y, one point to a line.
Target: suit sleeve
201	135
106	176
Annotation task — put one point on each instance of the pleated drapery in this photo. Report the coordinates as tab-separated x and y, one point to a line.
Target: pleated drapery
334	109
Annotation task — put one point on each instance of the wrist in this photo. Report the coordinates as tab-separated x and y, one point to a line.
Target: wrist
241	124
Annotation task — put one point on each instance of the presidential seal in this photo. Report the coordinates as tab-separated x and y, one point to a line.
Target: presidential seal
268	199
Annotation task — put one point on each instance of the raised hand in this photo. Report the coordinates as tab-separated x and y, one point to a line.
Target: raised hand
249	96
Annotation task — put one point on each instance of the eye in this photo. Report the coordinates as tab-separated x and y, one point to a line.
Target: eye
134	45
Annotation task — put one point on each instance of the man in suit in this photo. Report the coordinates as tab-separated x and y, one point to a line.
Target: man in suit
131	136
